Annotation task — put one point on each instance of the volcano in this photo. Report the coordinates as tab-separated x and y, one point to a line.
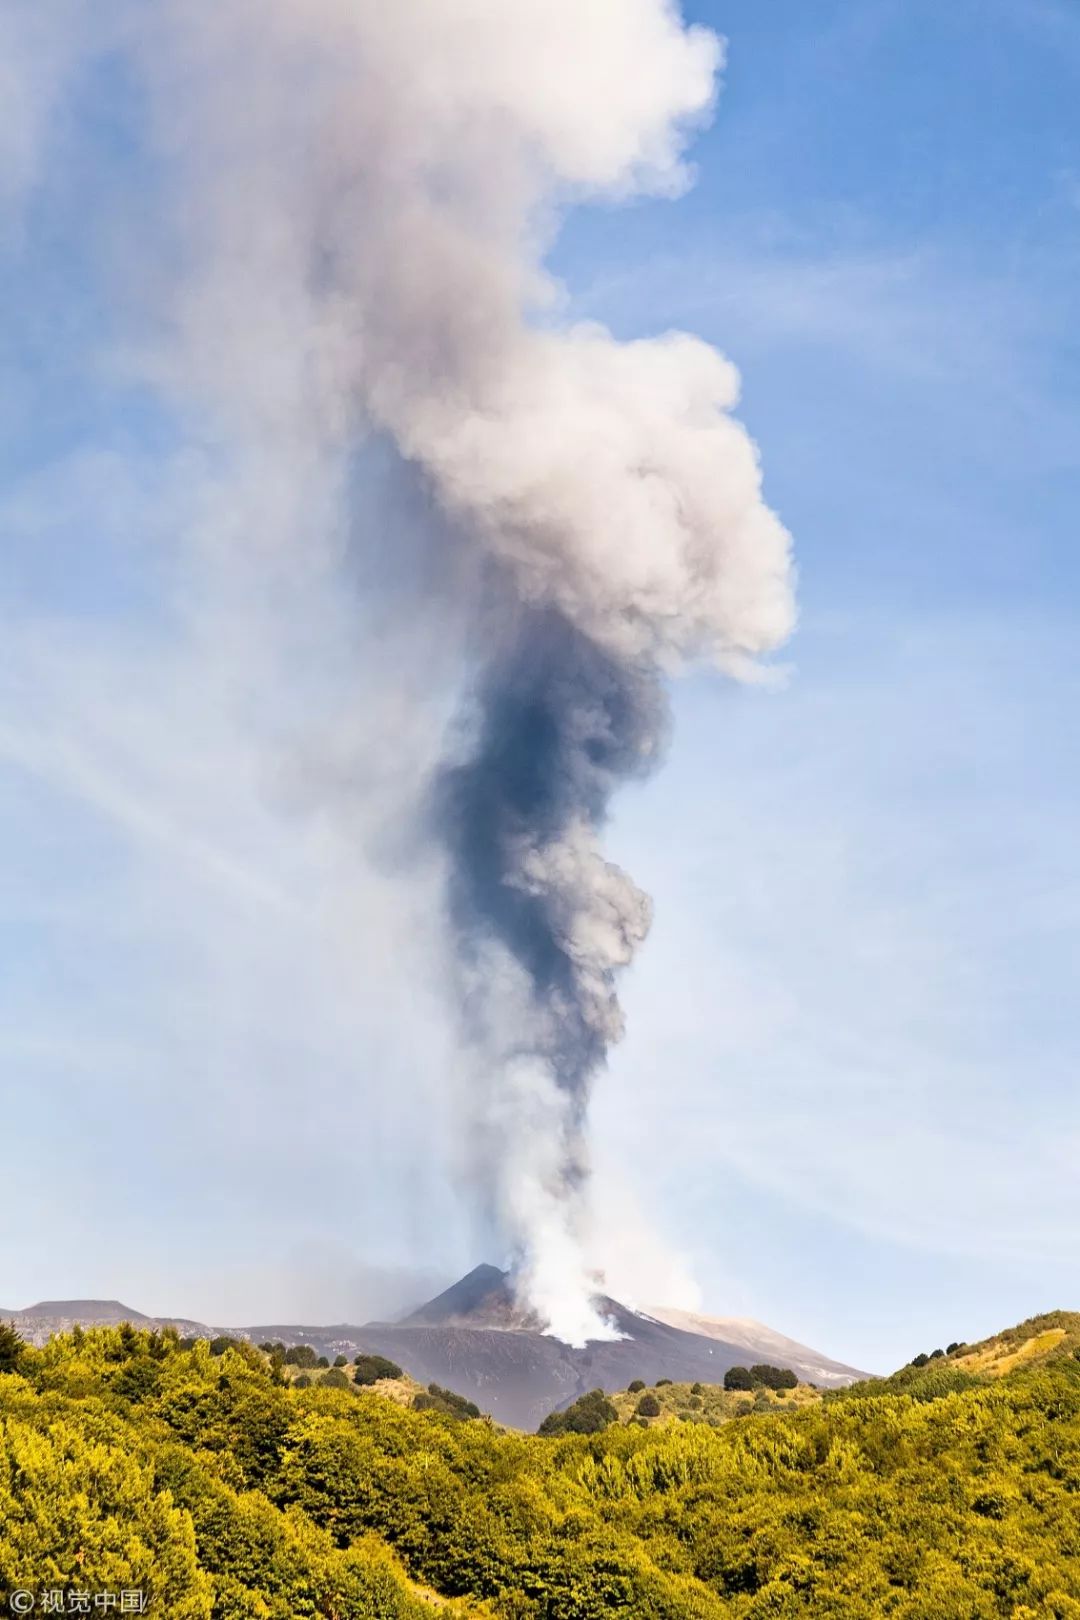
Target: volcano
476	1339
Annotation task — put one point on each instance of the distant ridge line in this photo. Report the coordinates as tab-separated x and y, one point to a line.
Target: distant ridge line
474	1338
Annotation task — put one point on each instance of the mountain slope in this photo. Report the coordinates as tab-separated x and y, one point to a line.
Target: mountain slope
1028	1349
109	1312
37	1323
760	1343
474	1339
1039	1339
482	1298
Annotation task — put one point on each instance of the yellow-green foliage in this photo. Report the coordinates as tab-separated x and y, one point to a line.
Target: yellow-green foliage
1040	1337
711	1403
225	1492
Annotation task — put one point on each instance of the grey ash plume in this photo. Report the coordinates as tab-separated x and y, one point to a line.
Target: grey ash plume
558	724
364	193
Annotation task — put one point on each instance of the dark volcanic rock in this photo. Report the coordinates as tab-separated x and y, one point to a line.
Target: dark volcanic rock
475	1339
482	1298
519	1377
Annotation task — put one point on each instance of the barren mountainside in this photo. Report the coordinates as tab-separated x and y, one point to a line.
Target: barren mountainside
474	1339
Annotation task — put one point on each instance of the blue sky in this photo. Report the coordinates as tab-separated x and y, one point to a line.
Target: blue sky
876	869
848	1090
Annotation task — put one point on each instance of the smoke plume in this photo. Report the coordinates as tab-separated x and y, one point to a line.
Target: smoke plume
353	204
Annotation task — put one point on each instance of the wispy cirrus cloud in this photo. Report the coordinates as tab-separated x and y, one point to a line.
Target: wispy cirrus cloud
860	997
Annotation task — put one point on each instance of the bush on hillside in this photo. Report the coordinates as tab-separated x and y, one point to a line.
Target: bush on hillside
369	1369
928	1383
223	1342
636	1386
447	1401
648	1406
773	1377
11	1348
589	1414
301	1355
738	1378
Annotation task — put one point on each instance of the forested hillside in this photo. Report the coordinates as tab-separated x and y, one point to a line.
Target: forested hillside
220	1489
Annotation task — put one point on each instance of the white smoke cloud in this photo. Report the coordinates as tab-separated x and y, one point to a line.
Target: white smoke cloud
348	239
370	189
612	482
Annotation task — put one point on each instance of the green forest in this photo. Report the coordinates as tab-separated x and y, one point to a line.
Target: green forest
204	1478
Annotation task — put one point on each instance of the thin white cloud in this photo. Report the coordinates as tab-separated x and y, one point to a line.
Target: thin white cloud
217	984
859	992
40	47
978	346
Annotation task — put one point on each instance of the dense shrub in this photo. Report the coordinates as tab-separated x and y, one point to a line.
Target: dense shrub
369	1369
738	1378
11	1347
223	1342
648	1406
137	1379
635	1385
301	1355
227	1496
773	1377
447	1401
589	1414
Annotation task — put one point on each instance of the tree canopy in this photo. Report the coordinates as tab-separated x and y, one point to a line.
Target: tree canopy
11	1347
369	1369
589	1414
225	1494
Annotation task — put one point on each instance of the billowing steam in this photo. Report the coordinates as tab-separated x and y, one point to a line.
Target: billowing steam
355	200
